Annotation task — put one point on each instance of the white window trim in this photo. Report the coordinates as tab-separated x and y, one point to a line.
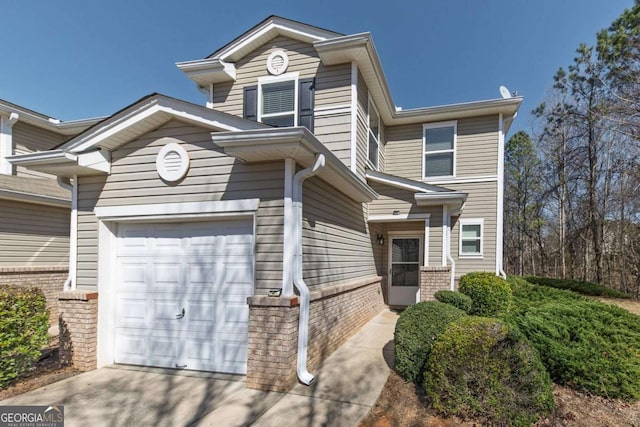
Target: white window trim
265	80
471	221
377	138
452	123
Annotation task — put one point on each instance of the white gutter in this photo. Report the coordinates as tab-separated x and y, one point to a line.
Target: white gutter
70	283
500	201
303	325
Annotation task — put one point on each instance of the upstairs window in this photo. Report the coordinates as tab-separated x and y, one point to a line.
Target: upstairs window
278	106
281	101
471	237
439	142
373	149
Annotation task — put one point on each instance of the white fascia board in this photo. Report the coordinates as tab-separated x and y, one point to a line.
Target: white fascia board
62	163
403	183
114	213
39	199
71	127
41	157
399	217
160	105
449	198
208	71
266	31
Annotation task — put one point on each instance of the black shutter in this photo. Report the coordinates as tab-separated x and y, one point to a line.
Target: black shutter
250	110
305	102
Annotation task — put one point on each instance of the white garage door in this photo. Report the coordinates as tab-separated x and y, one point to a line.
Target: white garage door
182	295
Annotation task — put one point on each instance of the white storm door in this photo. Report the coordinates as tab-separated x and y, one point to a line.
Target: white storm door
405	255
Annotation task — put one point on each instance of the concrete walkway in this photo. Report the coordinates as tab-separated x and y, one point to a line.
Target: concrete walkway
347	386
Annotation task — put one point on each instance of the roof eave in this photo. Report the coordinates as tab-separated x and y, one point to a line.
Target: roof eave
62	163
208	71
361	49
295	143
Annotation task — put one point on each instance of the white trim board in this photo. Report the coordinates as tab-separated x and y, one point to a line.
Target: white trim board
401	217
354	117
187	209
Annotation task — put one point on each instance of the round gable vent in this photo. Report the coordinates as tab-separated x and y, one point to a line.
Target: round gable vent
172	161
277	62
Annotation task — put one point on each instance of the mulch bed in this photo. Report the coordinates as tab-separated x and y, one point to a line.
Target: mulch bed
48	370
402	404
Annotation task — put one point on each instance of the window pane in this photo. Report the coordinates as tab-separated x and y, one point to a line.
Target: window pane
279	121
438	164
471	246
470	231
405	275
439	139
374	122
373	151
405	250
278	97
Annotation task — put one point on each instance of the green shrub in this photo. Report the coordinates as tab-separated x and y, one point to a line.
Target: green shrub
483	368
490	294
584	344
456	299
417	328
24	323
584	288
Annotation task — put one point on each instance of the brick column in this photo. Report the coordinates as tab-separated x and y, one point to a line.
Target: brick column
78	322
433	279
273	343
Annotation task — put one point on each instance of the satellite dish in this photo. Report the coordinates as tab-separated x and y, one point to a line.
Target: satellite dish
505	92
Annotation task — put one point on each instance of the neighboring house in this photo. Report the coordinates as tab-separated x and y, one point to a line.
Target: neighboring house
34	206
189	222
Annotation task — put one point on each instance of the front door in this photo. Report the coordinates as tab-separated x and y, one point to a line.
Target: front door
404	270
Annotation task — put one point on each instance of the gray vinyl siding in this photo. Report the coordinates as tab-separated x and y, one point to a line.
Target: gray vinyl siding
333	89
33	235
476	148
481	203
477	152
362	135
212	176
29	139
337	244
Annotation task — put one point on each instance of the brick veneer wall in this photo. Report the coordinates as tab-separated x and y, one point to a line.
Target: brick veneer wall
336	313
78	328
433	279
49	279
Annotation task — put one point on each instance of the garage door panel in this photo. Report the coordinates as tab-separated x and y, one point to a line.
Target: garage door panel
201	314
205	268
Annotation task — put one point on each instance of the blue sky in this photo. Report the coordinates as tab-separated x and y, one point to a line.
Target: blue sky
73	59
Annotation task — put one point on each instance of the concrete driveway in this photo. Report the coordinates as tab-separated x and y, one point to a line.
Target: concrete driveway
348	385
133	397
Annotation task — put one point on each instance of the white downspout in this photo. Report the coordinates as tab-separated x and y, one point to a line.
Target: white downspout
303	325
6	142
70	283
447	220
500	203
